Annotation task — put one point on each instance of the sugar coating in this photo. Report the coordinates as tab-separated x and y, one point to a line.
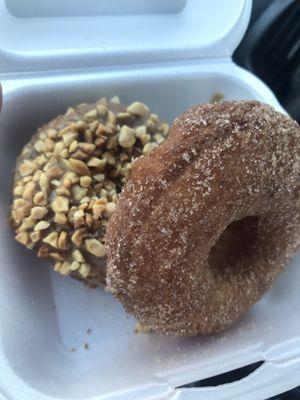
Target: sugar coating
208	219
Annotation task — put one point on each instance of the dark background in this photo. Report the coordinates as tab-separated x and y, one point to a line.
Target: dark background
271	49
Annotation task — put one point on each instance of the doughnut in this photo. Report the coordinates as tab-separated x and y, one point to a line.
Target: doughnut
208	219
68	177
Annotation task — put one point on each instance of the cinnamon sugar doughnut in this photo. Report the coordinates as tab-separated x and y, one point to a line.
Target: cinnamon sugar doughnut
208	219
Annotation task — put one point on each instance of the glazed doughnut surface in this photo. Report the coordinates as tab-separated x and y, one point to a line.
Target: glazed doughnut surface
208	219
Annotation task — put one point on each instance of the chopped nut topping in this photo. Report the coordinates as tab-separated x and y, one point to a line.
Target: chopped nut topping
88	136
64	153
126	137
154	118
112	142
151	126
89	116
55	182
79	218
65	268
149	147
101	201
38	212
41	160
48	145
80	155
93	126
27	168
58	148
70	175
123	116
57	266
97	163
52	169
40	226
67	183
60	218
115	100
164	128
99	177
18	190
35	236
98	209
145	138
21	212
138	108
60	204
159	138
28	191
100	141
84	269
110	208
78	192
87	147
83	206
95	247
73	146
103	193
63	191
23	238
85	181
102	110
27	223
56	256
39	198
69	128
77	237
63	240
52	133
111	118
69	137
140	130
27	179
77	255
37	175
109	158
43	251
79	166
80	126
71	213
89	220
51	239
75	265
43	182
39	146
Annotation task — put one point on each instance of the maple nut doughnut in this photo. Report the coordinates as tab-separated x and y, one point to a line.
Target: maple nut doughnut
67	179
208	219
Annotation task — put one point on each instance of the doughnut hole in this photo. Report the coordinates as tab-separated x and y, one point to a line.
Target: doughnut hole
234	251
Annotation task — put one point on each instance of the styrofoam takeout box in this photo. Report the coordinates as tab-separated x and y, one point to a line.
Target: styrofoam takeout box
58	339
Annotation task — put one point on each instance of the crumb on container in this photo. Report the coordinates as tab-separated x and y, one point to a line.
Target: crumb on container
141	328
217	97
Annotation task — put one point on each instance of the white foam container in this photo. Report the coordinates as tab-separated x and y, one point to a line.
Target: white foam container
170	55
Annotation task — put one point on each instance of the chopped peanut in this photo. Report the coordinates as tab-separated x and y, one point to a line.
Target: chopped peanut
69	177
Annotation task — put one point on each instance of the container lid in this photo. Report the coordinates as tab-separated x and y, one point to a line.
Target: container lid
41	35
